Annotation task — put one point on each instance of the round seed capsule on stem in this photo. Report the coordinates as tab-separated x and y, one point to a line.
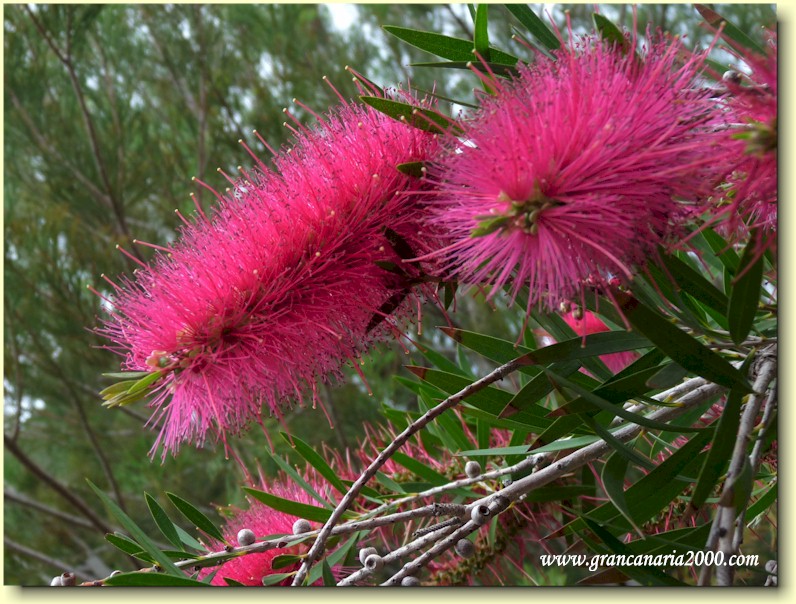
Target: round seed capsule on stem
301	526
365	552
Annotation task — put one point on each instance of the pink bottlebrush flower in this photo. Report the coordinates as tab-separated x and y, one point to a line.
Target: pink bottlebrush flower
283	284
264	522
752	142
590	323
575	169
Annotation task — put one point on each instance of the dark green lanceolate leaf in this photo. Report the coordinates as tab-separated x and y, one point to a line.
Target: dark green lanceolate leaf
669	375
611	33
534	25
128	546
276	578
613	478
140	579
328	576
494	349
604	405
657	489
316	461
745	295
412	168
195	517
420	470
131	527
481	35
645	575
163	521
233	582
299	479
423	119
678	345
692	282
720	449
490	399
721	249
452	49
765	501
285	560
389	483
536	389
730	31
620	448
294	508
556	493
498	69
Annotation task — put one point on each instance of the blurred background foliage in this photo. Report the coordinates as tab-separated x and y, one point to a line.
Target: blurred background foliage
109	112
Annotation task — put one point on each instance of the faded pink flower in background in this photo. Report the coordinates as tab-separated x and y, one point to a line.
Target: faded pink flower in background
575	169
280	287
264	521
752	141
590	323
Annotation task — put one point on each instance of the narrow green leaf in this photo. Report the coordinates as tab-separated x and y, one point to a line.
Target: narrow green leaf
730	31
420	470
328	576
722	250
446	47
481	35
389	483
233	582
294	508
692	282
497	68
299	479
615	409
669	375
140	579
128	546
145	382
276	578
117	388
556	493
316	461
195	517
720	449
613	478
745	295
765	501
535	26
285	560
131	527
189	540
163	521
412	168
128	375
631	455
681	348
335	558
423	119
611	33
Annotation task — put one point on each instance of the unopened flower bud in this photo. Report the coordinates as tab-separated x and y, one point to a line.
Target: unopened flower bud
472	469
480	515
246	537
465	548
365	552
410	582
374	563
68	579
56	582
301	526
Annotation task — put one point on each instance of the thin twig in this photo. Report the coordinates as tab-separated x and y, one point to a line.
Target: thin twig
320	543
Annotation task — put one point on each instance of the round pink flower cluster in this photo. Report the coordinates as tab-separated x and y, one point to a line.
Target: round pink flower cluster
575	169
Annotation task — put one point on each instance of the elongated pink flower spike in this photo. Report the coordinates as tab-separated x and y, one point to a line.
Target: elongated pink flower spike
576	168
283	284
